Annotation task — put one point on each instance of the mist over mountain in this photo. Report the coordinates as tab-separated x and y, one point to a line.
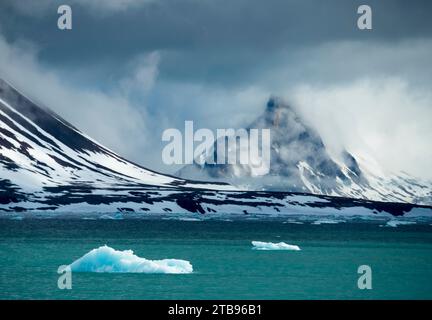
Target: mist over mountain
300	162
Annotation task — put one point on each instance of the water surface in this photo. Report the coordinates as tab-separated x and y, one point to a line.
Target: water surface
225	266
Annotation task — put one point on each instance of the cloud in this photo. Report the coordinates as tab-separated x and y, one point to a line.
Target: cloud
370	96
42	7
382	119
145	69
121	118
207	106
373	98
341	61
108	117
112	5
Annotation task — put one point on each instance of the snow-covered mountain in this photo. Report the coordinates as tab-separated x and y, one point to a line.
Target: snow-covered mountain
300	162
40	149
48	167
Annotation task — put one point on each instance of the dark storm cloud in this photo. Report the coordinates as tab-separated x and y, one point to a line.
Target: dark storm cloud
226	39
141	66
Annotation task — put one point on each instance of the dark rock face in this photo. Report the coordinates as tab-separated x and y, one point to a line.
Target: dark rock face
300	162
294	145
150	200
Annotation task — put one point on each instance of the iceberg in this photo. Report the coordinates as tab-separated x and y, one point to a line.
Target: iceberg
258	245
106	259
325	221
394	223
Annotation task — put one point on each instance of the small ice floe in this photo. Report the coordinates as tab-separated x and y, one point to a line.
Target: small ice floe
17	217
325	221
106	259
292	221
259	245
117	216
189	219
394	223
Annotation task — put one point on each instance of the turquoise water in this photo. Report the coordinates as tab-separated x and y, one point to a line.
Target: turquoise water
225	266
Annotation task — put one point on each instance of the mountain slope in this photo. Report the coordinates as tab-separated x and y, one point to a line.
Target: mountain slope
40	149
300	163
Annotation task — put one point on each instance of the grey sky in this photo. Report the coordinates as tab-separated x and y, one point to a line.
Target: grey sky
207	36
165	61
